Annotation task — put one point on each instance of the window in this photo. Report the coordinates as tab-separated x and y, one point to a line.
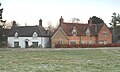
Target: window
35	44
101	41
104	33
35	35
16	44
72	43
74	31
60	42
81	42
16	35
91	42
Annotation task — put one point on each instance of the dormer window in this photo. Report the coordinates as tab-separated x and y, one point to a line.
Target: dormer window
87	32
74	31
35	35
16	35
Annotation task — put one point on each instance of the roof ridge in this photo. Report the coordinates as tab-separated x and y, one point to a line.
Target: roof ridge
73	23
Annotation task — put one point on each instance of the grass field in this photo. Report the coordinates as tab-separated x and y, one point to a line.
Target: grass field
88	60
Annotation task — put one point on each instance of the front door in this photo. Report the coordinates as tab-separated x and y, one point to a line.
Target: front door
26	44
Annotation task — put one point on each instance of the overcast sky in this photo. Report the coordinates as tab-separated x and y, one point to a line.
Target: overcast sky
30	11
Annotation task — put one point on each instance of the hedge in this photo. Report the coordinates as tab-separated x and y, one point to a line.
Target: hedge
87	45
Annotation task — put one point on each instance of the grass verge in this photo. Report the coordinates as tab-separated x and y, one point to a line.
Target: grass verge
89	60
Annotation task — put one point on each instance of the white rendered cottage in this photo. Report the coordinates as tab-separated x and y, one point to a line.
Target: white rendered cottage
28	36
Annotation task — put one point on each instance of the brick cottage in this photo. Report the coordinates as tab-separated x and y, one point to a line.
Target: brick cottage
79	33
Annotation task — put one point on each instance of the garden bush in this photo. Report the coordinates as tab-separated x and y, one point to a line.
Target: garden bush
86	45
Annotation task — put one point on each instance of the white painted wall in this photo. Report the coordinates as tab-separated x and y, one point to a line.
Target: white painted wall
41	40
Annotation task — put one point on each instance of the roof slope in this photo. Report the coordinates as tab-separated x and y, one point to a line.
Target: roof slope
27	31
81	28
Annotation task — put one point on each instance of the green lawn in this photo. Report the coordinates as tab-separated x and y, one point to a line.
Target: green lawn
94	60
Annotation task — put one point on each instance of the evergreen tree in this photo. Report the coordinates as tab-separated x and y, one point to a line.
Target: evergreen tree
114	22
2	38
96	20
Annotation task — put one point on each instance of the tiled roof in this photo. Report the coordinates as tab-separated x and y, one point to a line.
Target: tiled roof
27	31
81	28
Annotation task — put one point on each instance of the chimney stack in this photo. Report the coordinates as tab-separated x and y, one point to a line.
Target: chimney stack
90	21
61	20
40	22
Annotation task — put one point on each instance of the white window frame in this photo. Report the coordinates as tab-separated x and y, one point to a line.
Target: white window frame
74	31
16	44
71	43
101	41
60	42
33	43
105	33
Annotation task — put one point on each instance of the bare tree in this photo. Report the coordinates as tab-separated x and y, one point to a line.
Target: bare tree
75	20
50	27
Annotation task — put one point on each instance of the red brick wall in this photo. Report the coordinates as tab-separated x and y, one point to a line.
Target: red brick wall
83	39
74	38
88	39
105	38
59	36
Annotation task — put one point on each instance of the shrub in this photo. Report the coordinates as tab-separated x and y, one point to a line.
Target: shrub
3	44
86	45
